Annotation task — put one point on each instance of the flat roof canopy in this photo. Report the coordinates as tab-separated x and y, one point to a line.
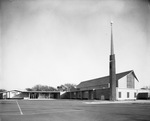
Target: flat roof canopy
40	91
32	91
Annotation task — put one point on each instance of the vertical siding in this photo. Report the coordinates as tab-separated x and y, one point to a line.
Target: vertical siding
130	81
127	81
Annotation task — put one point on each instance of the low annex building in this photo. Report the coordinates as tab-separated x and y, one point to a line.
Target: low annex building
17	94
99	88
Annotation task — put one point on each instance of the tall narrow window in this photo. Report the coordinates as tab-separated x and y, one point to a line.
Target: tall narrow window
119	94
135	94
128	94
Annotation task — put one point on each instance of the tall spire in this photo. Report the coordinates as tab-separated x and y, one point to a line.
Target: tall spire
112	70
112	46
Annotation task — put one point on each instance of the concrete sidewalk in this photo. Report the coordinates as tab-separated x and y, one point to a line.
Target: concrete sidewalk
115	102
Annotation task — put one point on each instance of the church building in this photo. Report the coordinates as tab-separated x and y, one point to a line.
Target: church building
120	86
99	88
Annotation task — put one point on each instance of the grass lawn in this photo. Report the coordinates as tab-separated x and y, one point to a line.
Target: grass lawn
72	110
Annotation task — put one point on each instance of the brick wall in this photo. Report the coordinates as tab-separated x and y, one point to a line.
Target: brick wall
102	94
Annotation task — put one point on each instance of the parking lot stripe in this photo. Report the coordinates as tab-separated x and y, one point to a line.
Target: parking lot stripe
19	108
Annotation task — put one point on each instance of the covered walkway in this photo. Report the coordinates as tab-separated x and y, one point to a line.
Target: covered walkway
17	94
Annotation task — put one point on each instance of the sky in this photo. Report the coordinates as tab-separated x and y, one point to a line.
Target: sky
54	42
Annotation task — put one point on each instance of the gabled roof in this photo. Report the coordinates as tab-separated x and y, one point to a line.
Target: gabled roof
104	80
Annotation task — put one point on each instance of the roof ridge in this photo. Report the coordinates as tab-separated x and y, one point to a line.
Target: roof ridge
107	76
105	79
125	72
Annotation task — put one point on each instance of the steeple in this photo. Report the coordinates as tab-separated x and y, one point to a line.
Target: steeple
112	70
112	46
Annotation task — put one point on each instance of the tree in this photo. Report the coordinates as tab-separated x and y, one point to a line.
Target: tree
41	88
37	88
2	90
29	89
61	88
66	87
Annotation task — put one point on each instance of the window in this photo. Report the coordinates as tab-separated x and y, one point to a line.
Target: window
119	94
128	94
135	94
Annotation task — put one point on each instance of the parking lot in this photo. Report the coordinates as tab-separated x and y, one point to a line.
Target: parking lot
73	110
